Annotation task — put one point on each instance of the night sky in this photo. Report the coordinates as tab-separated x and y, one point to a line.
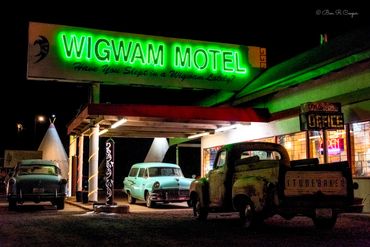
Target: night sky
285	32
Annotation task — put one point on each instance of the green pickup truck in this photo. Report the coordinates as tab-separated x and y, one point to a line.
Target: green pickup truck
258	180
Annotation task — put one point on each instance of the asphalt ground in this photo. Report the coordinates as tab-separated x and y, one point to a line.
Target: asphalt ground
120	199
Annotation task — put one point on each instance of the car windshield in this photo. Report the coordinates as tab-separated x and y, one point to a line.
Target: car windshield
164	171
37	169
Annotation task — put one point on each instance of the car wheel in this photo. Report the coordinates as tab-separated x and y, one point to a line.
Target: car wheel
12	204
189	202
149	203
60	203
130	199
247	214
200	212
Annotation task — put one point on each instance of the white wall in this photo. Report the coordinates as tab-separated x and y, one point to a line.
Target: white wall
157	150
252	132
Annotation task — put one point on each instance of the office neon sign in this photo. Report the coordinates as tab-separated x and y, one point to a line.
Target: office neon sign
79	54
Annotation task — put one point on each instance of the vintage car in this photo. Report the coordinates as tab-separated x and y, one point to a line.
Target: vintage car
36	180
156	182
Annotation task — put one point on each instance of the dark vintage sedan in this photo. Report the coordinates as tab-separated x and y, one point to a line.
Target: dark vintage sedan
36	180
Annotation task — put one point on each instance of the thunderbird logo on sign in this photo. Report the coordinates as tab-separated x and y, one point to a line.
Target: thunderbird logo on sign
43	44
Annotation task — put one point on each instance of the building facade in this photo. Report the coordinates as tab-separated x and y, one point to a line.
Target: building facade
336	72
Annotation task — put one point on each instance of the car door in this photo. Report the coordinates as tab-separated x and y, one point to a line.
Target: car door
138	189
216	180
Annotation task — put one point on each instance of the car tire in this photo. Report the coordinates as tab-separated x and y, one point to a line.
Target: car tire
12	204
60	203
130	199
149	203
200	212
247	214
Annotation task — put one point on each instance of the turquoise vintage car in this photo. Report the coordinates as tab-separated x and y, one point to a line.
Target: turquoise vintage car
156	182
36	180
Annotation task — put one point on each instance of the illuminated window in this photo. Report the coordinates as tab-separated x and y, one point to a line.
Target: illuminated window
316	149
295	144
209	156
268	139
360	134
336	145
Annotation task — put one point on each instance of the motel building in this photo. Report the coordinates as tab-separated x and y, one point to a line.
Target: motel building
317	104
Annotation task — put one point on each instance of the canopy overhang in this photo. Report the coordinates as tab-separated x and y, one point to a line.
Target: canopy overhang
149	121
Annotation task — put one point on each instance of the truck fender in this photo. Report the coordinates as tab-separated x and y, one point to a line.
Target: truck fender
252	188
199	189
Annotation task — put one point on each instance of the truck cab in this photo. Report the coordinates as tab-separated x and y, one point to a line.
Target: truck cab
258	180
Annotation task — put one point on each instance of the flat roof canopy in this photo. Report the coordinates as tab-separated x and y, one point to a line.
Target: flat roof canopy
149	121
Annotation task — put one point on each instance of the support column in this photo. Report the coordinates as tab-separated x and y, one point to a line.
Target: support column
325	145
93	163
72	152
95	93
80	162
177	155
74	175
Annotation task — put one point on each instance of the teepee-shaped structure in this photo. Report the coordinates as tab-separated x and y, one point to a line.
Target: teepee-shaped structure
52	149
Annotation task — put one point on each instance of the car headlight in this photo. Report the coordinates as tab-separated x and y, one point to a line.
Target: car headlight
156	185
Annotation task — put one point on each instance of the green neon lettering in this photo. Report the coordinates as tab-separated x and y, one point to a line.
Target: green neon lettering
74	47
227	61
237	64
213	54
89	47
121	52
138	54
104	50
155	58
199	56
182	60
152	55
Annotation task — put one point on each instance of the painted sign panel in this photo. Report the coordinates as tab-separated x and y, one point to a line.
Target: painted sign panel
311	182
109	171
74	54
321	116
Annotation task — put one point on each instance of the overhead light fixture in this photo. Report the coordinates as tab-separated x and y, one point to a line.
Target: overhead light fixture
230	127
118	123
103	131
198	135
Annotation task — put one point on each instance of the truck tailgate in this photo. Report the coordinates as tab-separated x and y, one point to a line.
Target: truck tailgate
299	183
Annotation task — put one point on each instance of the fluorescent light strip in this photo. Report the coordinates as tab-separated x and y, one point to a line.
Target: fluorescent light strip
118	123
198	135
103	131
230	127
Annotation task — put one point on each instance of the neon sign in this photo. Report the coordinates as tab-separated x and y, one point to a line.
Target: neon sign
85	55
334	146
91	48
321	116
94	49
